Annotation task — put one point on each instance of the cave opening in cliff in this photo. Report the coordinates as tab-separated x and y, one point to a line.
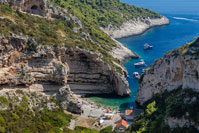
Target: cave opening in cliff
34	7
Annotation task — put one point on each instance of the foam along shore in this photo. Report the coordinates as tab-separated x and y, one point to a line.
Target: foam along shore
135	27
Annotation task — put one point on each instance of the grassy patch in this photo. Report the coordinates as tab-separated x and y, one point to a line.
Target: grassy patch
3	100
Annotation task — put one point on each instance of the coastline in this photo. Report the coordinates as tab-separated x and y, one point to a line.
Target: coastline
131	28
123	53
135	27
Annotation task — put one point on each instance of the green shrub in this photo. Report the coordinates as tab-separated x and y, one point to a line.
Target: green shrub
3	100
2	129
107	130
2	120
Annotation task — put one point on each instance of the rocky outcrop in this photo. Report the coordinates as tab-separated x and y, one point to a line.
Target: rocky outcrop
178	68
135	27
83	71
175	122
30	6
122	53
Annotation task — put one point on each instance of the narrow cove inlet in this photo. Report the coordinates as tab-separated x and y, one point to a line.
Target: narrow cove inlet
183	29
99	66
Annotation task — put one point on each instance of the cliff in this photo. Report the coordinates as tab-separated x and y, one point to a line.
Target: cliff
177	68
169	91
91	71
82	70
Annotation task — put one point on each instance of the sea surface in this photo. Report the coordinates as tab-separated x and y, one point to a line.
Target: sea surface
184	27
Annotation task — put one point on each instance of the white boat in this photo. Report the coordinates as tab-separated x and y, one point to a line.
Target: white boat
147	46
136	75
140	64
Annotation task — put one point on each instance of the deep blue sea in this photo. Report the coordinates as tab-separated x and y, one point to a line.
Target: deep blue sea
184	27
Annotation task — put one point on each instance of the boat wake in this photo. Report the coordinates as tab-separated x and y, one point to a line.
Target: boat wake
187	19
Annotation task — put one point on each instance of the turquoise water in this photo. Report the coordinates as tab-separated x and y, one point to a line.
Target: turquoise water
183	28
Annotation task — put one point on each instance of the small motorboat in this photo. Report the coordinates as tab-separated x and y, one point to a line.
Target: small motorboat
147	47
136	75
140	64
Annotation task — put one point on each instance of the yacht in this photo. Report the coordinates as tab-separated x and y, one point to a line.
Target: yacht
140	64
147	46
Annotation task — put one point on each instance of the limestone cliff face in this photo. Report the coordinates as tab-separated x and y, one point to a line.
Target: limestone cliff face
178	68
22	67
83	71
89	74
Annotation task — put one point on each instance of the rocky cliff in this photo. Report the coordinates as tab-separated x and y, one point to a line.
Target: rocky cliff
84	71
169	92
25	62
178	68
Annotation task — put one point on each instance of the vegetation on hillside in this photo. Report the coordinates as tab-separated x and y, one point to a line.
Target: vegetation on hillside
188	49
55	32
176	104
28	112
104	12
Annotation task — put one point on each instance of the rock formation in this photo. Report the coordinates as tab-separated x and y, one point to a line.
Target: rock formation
178	68
82	70
29	6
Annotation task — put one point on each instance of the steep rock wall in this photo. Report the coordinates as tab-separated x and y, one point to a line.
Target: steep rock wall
82	70
178	68
90	75
21	67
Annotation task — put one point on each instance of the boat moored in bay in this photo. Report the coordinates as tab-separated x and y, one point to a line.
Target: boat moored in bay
147	46
140	64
